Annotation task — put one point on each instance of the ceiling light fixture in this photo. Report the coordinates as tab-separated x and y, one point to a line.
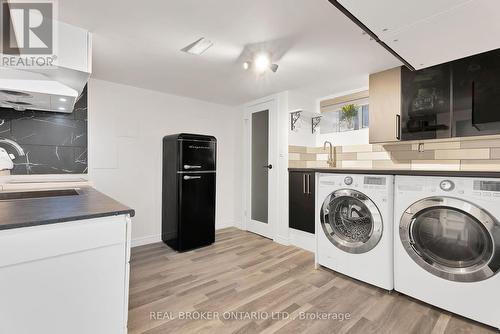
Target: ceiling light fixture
260	64
198	47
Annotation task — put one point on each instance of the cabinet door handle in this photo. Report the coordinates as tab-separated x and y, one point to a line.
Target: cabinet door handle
309	184
304	183
398	127
191	167
191	177
473	111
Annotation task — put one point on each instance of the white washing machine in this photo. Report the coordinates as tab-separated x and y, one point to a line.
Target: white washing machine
354	226
447	244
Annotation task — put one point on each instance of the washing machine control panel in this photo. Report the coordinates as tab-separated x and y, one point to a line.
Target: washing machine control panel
348	180
447	185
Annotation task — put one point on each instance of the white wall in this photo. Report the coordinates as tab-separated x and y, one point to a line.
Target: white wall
302	135
356	137
126	127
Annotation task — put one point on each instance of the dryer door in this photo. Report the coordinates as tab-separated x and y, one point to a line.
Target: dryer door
452	239
351	221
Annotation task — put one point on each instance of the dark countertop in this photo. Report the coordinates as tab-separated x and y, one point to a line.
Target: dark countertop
398	172
50	210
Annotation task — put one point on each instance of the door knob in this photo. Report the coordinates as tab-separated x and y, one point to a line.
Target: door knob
268	166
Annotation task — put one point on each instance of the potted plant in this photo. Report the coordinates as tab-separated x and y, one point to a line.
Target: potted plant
348	114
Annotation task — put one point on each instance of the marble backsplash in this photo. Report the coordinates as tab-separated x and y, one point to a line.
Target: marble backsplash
53	143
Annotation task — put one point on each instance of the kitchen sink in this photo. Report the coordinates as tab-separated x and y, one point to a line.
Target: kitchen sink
37	194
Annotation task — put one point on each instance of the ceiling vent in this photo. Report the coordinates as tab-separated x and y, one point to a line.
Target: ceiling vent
199	47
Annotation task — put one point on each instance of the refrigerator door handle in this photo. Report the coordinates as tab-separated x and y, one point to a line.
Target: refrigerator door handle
191	167
187	177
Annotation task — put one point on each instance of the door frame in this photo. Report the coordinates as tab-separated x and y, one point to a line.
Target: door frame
269	231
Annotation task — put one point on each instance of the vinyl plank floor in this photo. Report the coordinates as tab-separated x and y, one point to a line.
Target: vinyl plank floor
215	289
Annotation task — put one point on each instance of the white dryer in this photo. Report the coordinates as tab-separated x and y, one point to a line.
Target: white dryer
354	226
447	244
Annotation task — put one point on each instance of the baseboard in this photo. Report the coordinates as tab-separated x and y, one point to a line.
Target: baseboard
221	225
303	240
281	240
150	239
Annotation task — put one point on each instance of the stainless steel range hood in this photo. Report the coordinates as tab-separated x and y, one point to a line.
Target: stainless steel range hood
55	88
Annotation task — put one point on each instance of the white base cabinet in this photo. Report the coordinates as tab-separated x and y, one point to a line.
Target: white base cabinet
70	277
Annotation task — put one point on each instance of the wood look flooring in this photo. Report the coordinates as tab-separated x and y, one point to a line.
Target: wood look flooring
243	272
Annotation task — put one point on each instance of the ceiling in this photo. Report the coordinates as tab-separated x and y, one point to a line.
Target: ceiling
138	43
431	32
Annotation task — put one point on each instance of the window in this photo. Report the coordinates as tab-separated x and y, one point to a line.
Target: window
333	121
365	116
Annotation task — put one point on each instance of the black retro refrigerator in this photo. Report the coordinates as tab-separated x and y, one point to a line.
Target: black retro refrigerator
188	195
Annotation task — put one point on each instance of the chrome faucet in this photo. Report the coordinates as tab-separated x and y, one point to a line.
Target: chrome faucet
331	158
15	145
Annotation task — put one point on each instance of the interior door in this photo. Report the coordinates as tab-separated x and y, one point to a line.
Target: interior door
261	169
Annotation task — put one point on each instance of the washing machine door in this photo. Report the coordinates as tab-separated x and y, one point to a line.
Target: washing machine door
452	238
351	221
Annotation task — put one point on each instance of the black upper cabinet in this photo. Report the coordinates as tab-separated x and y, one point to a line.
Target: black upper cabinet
476	95
456	99
425	110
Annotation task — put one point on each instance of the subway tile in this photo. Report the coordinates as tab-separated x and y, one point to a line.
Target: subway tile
297	149
316	164
390	164
322	157
452	165
412	155
357	164
437	146
293	156
374	156
317	150
397	147
480	165
357	148
297	164
484	143
307	156
478	153
346	156
495	153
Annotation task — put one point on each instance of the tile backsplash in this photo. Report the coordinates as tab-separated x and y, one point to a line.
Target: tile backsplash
53	143
477	154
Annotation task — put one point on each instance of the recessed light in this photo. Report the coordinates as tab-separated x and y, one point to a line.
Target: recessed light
262	62
61	108
198	47
62	99
246	65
